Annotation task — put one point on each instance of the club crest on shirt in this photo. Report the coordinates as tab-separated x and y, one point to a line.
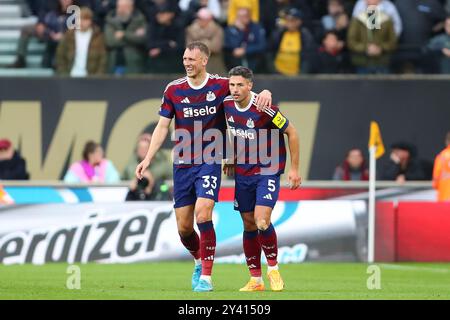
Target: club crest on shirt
210	96
250	123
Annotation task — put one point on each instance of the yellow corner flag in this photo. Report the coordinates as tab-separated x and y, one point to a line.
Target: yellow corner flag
375	139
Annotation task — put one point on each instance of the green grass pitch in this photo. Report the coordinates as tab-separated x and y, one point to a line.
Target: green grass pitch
171	280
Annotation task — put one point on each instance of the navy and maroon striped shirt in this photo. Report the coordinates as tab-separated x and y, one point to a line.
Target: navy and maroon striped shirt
254	134
196	109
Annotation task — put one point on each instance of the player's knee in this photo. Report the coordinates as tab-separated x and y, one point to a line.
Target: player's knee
249	223
184	228
262	224
203	211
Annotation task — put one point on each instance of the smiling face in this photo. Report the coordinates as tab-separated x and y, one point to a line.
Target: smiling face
194	62
240	88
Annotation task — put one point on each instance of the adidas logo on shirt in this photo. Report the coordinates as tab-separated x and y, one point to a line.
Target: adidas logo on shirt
210	192
268	196
185	100
230	119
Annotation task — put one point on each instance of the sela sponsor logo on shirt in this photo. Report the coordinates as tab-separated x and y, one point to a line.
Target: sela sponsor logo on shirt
247	134
192	112
250	123
210	96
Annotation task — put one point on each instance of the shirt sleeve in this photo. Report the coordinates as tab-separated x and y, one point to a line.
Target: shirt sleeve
167	108
437	171
277	119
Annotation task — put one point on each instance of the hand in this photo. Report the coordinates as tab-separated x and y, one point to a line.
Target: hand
395	158
239	52
133	184
151	182
228	169
239	25
294	179
373	50
140	32
263	100
56	36
119	35
154	52
141	167
401	179
446	52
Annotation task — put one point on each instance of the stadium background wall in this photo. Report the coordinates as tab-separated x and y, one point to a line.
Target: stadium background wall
51	119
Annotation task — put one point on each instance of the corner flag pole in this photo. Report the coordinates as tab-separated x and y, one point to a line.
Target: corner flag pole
376	150
372	180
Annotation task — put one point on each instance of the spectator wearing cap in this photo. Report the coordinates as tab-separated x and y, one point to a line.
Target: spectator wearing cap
440	46
273	13
331	57
421	20
206	30
441	172
245	42
293	46
235	5
82	52
403	164
353	168
12	165
93	168
125	36
384	6
371	48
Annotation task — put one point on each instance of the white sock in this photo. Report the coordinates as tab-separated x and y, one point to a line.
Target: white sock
257	279
206	278
198	262
269	268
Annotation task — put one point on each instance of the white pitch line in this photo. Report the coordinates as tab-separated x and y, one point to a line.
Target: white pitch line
412	268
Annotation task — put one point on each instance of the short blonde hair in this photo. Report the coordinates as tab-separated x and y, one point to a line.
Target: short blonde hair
86	13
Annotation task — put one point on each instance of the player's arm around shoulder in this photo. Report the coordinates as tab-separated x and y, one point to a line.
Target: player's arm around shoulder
294	148
158	137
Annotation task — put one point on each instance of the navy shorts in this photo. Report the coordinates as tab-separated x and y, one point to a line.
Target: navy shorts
190	183
261	190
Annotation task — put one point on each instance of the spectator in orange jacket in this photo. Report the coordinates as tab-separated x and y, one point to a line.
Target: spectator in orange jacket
441	172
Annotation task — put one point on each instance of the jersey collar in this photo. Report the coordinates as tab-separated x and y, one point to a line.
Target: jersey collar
199	86
252	100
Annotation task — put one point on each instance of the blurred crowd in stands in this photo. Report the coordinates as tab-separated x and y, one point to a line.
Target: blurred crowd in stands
287	37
